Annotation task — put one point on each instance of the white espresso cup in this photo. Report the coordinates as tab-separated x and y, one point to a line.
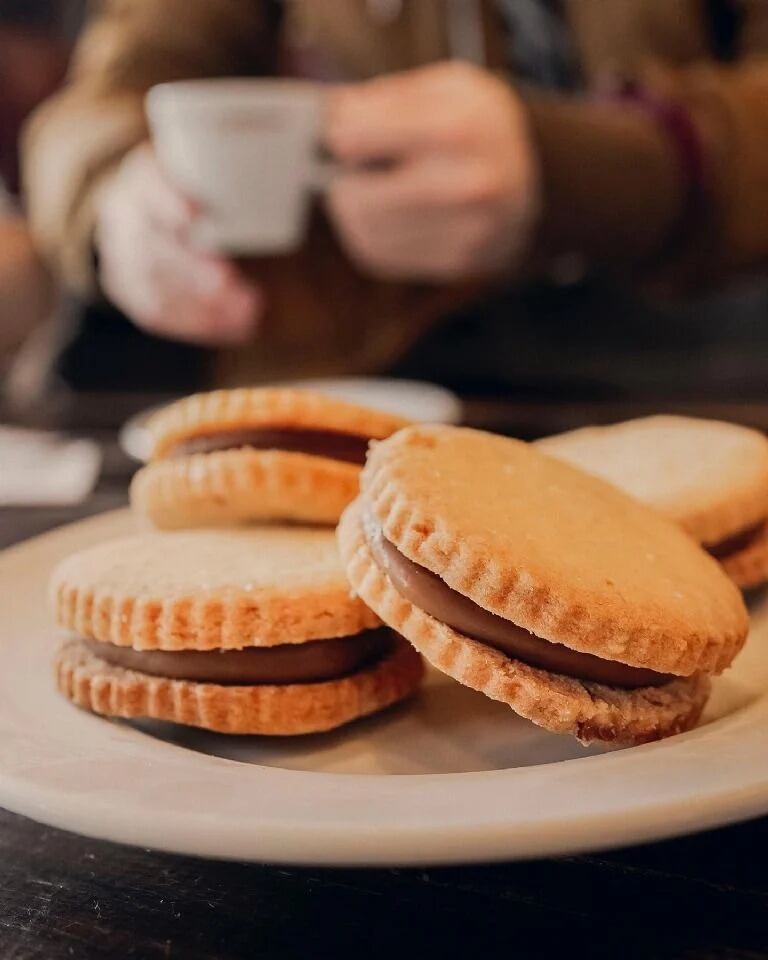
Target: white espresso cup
247	151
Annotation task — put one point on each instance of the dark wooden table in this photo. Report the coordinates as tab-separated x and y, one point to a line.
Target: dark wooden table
63	896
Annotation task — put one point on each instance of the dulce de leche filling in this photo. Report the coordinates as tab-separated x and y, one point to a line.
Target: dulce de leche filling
347	447
429	593
312	662
736	543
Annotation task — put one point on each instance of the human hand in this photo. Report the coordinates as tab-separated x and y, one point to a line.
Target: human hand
149	268
442	180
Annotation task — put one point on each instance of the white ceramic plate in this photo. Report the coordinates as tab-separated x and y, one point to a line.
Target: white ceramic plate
451	777
414	399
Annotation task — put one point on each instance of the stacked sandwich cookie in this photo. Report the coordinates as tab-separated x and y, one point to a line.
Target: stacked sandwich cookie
543	587
240	631
235	629
541	583
261	454
710	477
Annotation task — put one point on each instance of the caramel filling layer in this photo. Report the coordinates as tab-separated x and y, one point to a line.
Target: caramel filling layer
346	447
312	662
738	542
429	593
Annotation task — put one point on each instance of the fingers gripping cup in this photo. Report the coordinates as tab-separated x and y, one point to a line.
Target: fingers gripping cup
247	151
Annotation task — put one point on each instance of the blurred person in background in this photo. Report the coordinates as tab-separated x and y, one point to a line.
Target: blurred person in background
535	201
33	58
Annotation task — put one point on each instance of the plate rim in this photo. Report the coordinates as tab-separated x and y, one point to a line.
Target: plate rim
440	842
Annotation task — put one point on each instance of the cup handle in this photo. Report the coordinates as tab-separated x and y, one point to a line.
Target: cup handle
324	171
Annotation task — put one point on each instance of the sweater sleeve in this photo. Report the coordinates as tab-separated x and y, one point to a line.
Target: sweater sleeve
614	186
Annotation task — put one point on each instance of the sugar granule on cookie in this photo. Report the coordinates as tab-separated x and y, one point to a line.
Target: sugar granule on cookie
539	585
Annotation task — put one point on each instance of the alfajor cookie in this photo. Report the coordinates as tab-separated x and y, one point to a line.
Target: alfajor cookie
540	586
709	476
234	456
244	631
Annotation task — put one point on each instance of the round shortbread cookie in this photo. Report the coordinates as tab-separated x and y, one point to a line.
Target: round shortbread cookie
209	589
242	485
287	710
589	711
748	568
564	555
265	407
709	476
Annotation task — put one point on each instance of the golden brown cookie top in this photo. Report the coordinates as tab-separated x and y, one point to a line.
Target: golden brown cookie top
562	554
709	476
209	589
271	408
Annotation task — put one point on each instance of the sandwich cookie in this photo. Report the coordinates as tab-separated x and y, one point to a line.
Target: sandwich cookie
540	586
234	456
710	477
246	631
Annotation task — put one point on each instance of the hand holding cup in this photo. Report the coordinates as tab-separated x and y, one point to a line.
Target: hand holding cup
150	267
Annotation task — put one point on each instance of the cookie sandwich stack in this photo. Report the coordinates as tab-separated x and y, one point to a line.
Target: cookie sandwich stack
235	627
532	580
239	631
254	455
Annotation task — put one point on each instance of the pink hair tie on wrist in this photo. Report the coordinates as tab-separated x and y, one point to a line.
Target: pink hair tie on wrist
676	122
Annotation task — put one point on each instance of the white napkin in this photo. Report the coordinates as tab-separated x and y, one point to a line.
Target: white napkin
40	469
